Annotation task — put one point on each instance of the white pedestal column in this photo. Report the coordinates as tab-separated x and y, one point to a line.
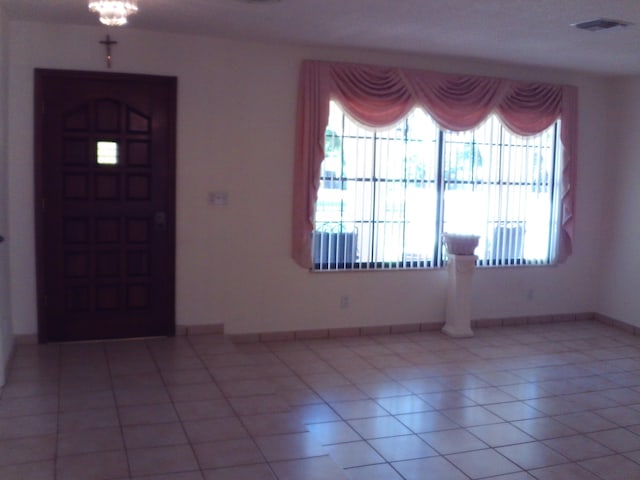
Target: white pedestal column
458	312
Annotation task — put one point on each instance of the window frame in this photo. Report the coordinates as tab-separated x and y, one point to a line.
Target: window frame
334	240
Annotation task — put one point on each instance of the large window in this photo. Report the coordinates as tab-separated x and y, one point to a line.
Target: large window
387	195
388	159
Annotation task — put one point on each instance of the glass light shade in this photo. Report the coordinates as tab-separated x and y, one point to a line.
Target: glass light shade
114	12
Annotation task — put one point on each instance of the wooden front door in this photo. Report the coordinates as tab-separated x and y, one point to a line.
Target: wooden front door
105	205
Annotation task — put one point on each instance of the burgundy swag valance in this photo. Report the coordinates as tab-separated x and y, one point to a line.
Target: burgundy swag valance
381	96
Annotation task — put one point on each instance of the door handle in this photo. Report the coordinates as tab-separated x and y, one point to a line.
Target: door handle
160	219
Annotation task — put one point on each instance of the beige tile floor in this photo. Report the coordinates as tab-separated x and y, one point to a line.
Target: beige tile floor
550	402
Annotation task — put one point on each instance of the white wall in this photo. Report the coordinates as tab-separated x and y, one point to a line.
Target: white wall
236	112
621	224
6	334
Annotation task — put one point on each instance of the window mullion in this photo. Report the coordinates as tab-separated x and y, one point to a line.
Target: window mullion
437	248
553	220
343	180
405	186
374	198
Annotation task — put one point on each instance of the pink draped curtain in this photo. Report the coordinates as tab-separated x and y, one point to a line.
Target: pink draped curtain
381	96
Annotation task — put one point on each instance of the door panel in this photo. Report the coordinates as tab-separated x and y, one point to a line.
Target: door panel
105	186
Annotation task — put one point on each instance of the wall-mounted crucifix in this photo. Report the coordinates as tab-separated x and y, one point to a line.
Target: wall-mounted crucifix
107	42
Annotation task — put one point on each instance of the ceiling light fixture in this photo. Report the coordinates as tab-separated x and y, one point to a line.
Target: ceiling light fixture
600	24
113	12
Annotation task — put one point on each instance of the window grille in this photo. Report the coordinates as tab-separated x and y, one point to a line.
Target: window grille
386	196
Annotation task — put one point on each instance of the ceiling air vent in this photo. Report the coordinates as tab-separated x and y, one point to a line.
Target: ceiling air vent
600	24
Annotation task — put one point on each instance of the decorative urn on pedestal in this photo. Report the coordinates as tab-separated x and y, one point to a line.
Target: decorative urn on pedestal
461	266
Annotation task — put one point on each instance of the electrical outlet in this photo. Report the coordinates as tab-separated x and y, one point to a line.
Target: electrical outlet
218	198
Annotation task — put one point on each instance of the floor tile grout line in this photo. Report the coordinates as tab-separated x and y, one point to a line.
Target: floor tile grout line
172	402
236	413
58	415
326	402
617	364
336	412
117	408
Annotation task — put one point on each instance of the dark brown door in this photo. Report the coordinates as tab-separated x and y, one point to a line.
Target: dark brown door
105	197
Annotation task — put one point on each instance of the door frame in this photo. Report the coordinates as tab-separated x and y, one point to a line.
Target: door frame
40	78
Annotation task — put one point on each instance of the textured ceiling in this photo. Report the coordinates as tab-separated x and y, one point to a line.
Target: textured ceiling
530	32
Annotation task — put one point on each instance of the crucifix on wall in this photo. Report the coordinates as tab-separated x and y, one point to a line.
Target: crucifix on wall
107	42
